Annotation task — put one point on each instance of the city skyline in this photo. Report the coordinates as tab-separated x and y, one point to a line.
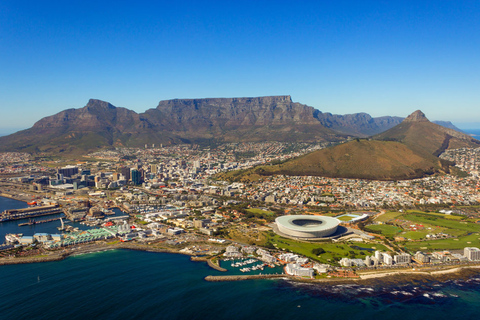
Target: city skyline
343	57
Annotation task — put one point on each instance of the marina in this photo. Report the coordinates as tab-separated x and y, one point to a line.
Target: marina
249	266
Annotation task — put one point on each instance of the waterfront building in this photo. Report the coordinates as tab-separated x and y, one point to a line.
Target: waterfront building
472	253
402	258
232	252
387	259
368	261
26	240
295	269
347	262
288	257
422	257
42	237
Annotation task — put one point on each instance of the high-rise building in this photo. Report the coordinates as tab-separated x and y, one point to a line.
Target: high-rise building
402	258
125	173
68	171
472	253
153	168
136	176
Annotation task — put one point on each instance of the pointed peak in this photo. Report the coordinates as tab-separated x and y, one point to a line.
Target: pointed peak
95	103
417	116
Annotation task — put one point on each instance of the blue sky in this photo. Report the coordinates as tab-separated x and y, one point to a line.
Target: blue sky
379	57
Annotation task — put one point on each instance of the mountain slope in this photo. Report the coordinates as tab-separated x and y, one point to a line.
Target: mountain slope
100	124
357	124
97	125
357	159
409	150
418	133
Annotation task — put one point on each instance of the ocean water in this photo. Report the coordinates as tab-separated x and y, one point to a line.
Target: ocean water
474	132
144	285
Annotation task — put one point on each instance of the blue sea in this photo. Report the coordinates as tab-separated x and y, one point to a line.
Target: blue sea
124	284
473	132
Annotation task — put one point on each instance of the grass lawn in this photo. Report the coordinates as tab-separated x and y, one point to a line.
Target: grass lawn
345	218
387	216
441	222
385	229
333	251
445	216
416	235
259	211
257	238
472	240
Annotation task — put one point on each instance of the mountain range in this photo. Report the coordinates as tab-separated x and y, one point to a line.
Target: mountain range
273	118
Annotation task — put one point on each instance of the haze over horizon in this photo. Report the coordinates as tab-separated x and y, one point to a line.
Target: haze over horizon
344	57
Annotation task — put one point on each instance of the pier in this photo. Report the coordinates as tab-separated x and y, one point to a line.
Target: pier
16	214
33	222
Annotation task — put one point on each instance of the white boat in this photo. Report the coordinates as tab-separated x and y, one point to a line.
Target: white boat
13	237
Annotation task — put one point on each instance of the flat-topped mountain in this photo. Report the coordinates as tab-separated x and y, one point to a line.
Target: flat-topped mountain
241	119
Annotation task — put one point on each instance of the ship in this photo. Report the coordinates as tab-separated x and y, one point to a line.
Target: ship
13	237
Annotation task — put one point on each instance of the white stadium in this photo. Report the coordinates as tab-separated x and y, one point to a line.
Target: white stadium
307	226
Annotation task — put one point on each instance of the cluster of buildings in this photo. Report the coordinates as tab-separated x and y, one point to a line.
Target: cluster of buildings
378	259
294	265
469	254
467	159
385	259
19	163
364	194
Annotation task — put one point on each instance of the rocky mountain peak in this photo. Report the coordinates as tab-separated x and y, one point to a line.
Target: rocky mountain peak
417	116
97	104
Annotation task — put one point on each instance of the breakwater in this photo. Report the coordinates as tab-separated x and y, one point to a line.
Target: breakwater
25	260
245	277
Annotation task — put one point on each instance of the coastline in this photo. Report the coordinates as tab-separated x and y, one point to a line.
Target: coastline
370	278
13	197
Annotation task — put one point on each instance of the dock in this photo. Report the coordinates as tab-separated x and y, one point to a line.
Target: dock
32	212
33	222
